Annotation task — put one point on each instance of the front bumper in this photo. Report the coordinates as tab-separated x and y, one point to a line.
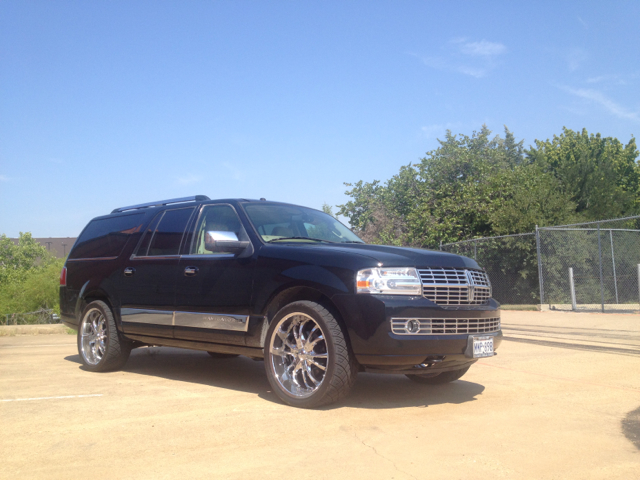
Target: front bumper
377	348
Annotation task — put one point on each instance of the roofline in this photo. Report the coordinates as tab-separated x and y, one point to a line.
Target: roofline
159	203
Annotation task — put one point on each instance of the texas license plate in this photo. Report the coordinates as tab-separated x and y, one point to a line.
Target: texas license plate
482	347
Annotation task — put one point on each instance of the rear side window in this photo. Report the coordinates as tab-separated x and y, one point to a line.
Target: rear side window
106	237
166	237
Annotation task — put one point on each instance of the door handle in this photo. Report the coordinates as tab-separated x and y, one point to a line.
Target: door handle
128	272
190	271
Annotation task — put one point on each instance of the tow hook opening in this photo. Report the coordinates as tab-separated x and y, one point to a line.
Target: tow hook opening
430	361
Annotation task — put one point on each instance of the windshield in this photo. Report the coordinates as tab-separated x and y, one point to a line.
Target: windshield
280	223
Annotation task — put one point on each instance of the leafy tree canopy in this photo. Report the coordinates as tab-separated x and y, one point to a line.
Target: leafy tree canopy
17	260
476	186
599	174
28	276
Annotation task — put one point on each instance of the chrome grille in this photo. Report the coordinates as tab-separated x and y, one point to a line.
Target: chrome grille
444	326
455	286
479	278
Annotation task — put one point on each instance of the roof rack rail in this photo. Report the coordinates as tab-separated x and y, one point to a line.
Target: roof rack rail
195	198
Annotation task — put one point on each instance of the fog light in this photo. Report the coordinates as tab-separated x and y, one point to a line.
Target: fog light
413	326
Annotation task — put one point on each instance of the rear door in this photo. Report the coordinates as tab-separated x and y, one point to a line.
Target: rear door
149	276
213	294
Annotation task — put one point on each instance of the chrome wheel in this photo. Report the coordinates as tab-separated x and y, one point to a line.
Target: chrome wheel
299	355
93	339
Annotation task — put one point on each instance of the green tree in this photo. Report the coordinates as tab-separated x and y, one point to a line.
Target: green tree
471	186
29	276
39	289
17	260
599	174
525	197
326	208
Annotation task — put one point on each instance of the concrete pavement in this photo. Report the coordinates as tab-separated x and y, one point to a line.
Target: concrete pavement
555	403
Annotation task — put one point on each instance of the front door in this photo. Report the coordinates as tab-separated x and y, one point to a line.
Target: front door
213	294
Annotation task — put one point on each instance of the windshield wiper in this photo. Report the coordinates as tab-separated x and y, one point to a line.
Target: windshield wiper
300	238
353	241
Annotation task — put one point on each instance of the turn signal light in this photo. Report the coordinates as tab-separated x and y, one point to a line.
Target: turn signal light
63	277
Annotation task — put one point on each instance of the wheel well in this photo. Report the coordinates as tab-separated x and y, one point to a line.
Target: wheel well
296	294
96	296
86	300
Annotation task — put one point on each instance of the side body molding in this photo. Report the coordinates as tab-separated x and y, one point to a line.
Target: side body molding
212	321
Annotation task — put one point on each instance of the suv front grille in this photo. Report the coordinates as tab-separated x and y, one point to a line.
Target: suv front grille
444	326
455	286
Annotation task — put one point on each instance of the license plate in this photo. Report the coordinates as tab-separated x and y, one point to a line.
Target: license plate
482	347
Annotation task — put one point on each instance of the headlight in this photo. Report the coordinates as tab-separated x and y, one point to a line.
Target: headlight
389	281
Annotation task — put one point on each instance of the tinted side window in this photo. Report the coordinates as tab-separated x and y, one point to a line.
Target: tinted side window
168	235
143	248
106	237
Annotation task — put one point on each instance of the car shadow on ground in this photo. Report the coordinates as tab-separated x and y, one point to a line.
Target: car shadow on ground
631	427
372	391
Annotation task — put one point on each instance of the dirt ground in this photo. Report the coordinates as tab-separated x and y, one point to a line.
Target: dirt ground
560	400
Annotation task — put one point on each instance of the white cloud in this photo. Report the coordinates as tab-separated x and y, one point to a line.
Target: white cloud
614	79
437	130
584	24
440	63
604	101
601	78
189	179
4	178
482	48
473	71
475	59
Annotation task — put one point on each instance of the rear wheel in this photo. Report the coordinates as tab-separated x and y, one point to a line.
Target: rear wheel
440	379
100	345
307	358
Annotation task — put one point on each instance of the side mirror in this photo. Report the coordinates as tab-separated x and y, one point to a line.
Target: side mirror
216	241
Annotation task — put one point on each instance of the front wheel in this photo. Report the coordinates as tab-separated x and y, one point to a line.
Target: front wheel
307	357
100	345
439	379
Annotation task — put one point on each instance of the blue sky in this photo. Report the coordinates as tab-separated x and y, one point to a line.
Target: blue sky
111	103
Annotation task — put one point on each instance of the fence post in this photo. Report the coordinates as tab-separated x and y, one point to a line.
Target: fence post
475	251
440	245
539	266
572	286
613	261
601	279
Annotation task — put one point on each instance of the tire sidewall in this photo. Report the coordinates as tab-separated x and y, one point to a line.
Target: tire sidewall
317	397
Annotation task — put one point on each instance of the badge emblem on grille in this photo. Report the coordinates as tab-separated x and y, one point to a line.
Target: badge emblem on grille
471	293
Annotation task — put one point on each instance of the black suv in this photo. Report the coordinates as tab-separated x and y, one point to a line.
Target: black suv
276	281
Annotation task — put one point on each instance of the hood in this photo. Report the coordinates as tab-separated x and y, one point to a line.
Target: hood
412	257
388	256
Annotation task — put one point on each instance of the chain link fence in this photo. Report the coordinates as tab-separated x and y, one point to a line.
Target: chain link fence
592	266
42	316
510	262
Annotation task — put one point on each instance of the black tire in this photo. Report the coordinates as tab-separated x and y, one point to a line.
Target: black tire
441	378
223	355
100	345
329	357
